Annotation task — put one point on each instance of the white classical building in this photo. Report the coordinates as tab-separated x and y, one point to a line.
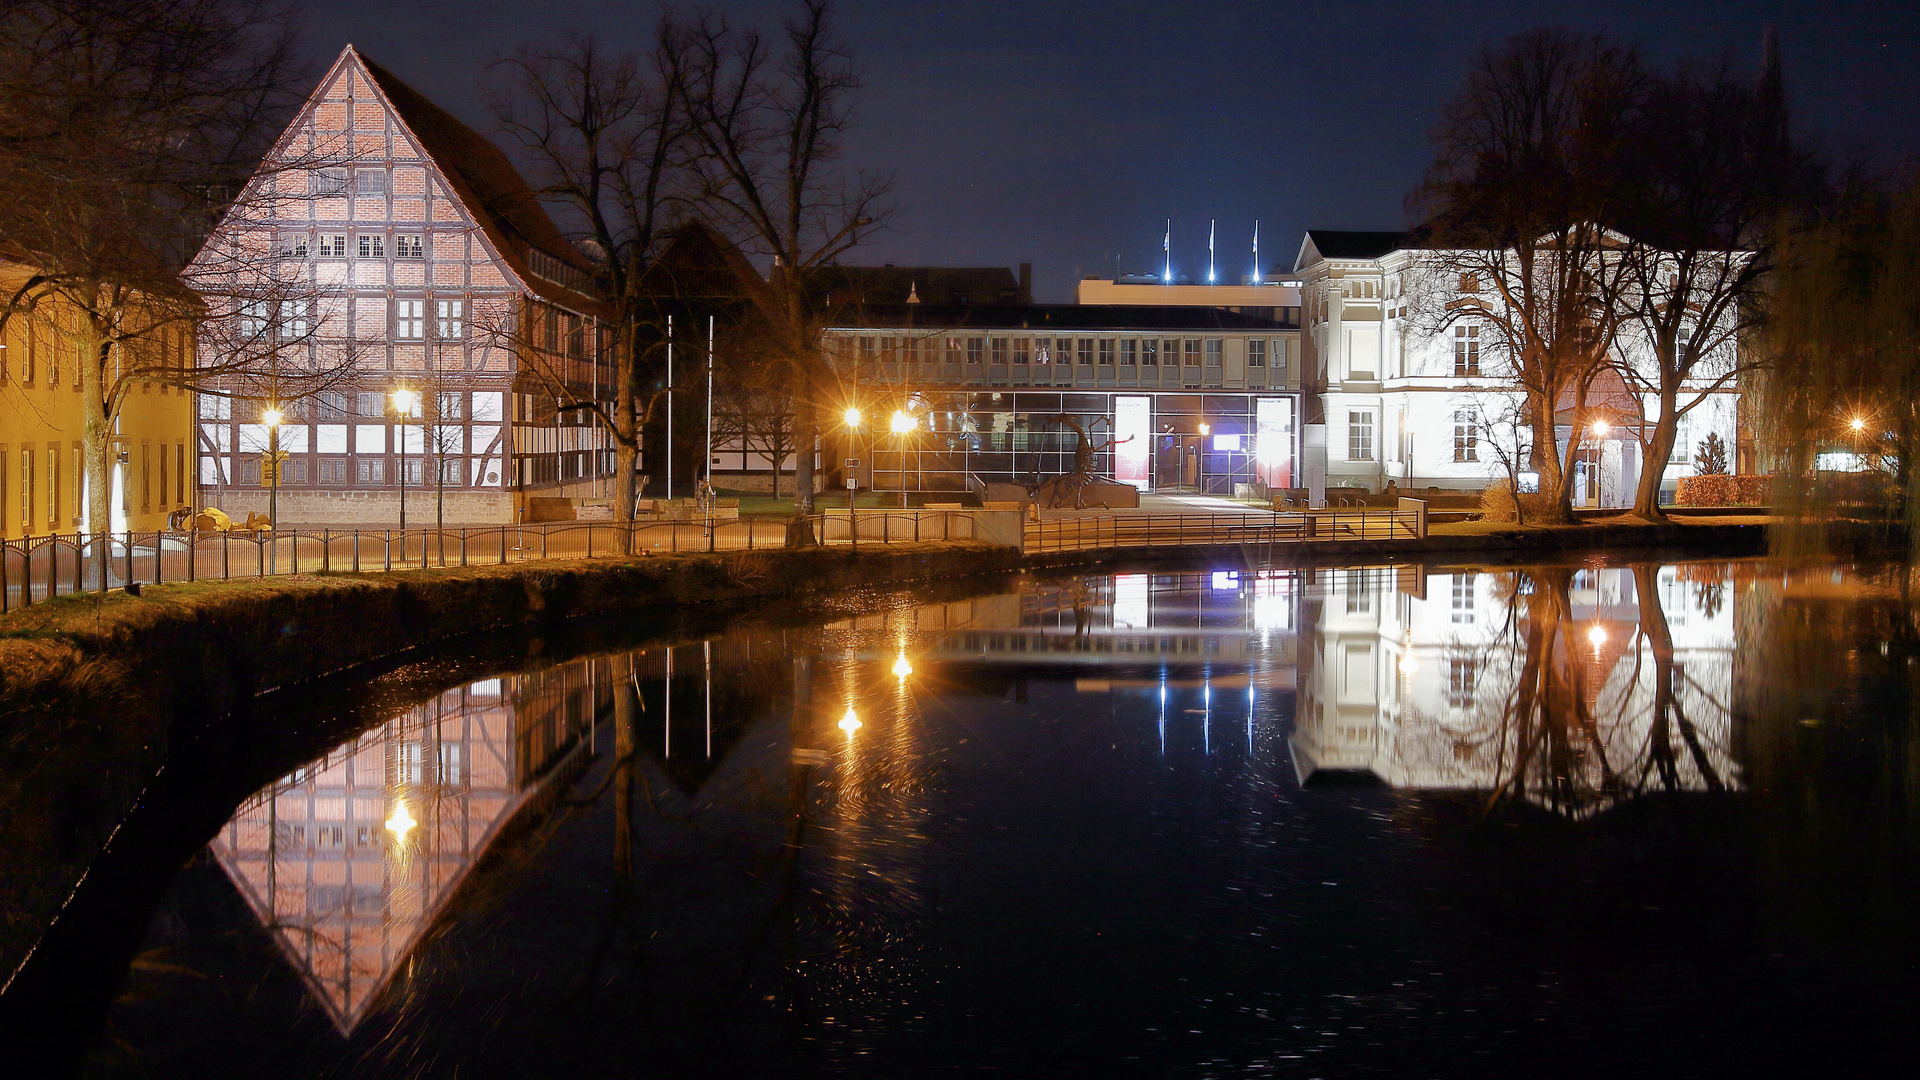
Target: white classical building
1417	409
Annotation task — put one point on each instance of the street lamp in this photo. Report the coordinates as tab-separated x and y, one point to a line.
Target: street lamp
1600	429
903	425
1857	424
405	401
1200	460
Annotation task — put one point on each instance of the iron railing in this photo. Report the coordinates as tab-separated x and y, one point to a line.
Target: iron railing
1171	530
34	569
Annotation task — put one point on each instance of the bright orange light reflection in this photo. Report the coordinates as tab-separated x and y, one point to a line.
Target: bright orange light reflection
849	723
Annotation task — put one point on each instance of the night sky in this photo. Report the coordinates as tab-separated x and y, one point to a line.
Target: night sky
1066	134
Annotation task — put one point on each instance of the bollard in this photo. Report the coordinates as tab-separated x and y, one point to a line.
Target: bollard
386	539
463	546
326	551
105	555
226	557
503	545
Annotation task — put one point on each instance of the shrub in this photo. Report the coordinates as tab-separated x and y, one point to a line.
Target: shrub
1723	490
1497	503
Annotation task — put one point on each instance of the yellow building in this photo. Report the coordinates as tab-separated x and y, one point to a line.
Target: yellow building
42	469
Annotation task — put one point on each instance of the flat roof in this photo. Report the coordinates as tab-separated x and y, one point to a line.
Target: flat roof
1054	317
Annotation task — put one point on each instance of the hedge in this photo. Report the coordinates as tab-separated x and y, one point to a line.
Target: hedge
1722	490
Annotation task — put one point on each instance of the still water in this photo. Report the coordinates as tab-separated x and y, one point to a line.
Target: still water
1579	820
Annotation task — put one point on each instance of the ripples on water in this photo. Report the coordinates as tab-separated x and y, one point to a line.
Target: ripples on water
1575	820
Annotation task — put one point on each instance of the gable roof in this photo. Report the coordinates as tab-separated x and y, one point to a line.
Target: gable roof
492	190
1340	244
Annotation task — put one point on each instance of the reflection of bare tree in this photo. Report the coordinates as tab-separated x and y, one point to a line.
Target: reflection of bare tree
1669	708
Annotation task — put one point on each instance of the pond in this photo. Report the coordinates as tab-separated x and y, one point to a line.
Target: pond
1582	820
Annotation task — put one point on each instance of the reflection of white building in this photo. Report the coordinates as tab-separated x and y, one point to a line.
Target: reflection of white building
1420	410
349	859
1426	681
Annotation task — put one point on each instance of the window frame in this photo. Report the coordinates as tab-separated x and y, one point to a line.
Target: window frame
1360	435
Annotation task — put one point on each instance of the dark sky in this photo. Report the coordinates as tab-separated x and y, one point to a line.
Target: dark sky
1066	134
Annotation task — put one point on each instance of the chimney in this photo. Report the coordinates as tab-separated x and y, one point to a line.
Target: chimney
1026	283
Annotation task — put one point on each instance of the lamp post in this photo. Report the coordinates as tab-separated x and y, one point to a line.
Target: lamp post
1200	461
272	418
852	417
903	425
404	403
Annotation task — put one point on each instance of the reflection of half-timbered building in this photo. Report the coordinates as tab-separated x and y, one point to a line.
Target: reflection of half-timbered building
435	271
349	860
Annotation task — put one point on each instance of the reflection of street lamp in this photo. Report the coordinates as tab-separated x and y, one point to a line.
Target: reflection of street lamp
401	821
901	668
1200	460
405	401
849	723
1857	424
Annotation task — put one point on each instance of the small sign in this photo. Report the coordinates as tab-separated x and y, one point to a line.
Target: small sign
852	483
853	463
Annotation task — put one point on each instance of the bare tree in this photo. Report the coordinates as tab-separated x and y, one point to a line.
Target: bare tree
1713	172
753	404
769	121
1527	174
609	135
127	129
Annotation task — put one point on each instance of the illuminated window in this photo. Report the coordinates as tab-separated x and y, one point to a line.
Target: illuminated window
333	245
407	246
999	350
1360	435
1466	436
1192	352
373	246
450	323
1466	352
1256	352
410	320
976	349
1022	349
1149	353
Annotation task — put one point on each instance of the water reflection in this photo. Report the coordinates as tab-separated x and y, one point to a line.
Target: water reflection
350	858
1091	811
1571	688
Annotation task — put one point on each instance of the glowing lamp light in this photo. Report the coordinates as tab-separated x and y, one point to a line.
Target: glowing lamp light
1408	665
401	821
1601	427
1205	429
902	423
1857	424
1597	636
849	723
272	417
406	401
852	417
900	668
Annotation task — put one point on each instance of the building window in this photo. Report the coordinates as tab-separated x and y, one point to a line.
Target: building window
450	319
1359	593
1193	353
333	471
370	182
371	471
330	182
406	246
1466	352
1086	351
451	472
1682	447
1256	352
333	245
253	319
1129	352
1022	349
1213	352
1466	436
1461	675
1469	283
416	470
410	321
332	405
180	472
998	355
976	350
295	321
373	246
291	246
1106	352
1149	353
1359	435
1463	589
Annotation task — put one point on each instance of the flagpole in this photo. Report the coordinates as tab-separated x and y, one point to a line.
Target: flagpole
1256	251
1210	276
1166	245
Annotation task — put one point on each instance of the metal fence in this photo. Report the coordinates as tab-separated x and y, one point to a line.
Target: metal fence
1170	530
34	569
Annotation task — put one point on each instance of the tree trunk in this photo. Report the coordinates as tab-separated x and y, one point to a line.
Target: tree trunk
805	437
96	445
1547	461
1646	499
